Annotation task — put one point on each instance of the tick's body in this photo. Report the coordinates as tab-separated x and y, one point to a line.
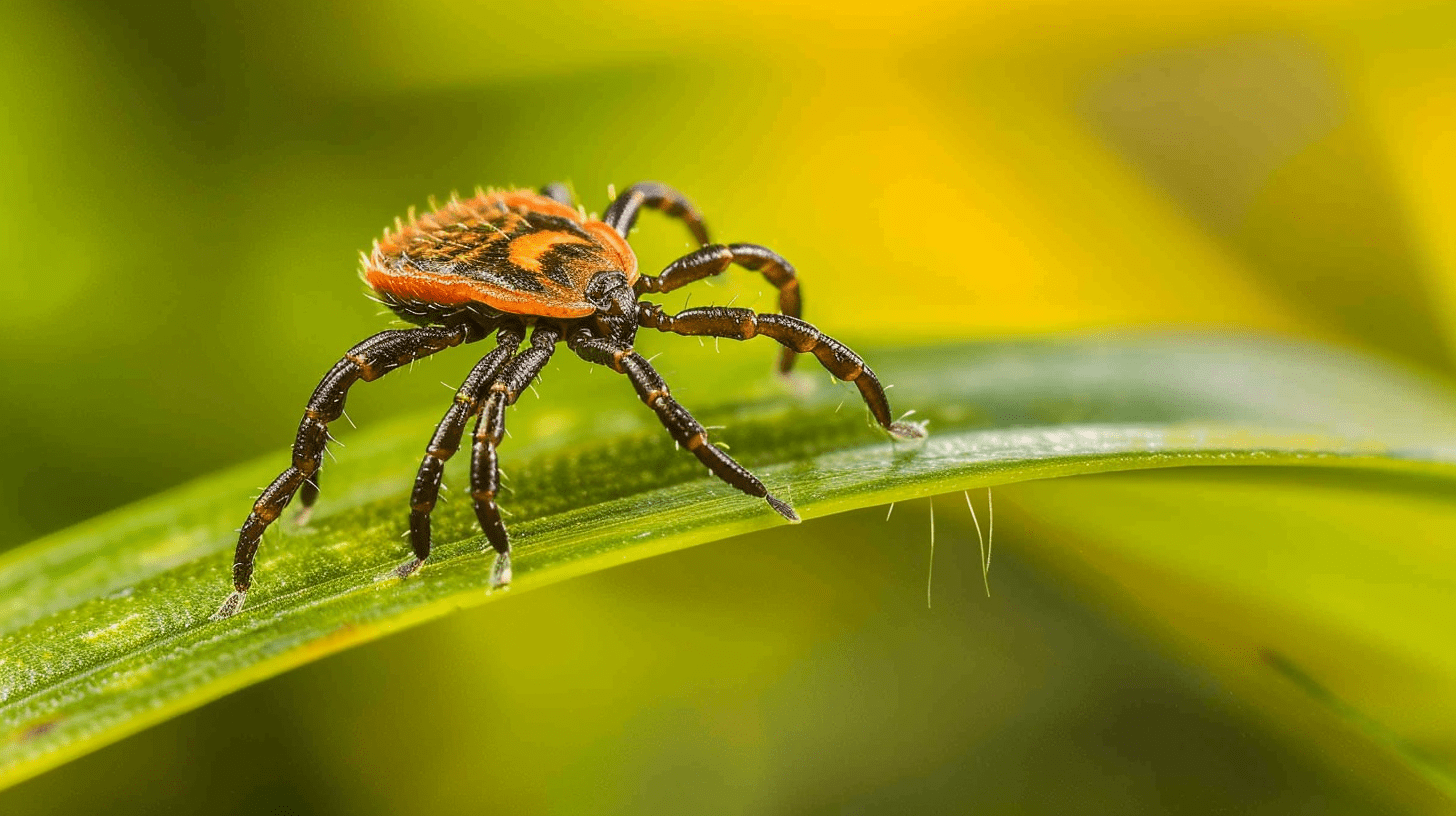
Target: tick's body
519	253
500	263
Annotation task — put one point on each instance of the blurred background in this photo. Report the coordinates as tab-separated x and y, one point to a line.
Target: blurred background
187	186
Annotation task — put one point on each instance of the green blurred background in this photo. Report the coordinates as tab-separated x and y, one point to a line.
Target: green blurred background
186	188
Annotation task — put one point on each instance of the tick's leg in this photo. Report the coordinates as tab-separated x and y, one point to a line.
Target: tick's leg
711	260
335	386
367	361
685	430
622	214
447	440
558	192
796	336
490	431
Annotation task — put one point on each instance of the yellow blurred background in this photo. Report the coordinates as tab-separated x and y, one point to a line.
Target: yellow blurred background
187	187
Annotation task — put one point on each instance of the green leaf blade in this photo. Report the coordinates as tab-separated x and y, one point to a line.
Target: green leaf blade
104	628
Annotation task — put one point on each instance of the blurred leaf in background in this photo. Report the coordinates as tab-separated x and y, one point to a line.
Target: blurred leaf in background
186	187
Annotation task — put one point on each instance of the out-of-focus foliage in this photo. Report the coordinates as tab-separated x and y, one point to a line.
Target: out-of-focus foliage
185	186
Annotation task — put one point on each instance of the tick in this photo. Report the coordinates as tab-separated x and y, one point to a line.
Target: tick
503	264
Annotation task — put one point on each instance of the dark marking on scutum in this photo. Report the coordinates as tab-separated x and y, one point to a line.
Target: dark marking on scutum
555	223
491	262
509	276
559	260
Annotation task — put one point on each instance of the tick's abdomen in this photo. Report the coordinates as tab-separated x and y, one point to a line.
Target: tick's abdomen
516	252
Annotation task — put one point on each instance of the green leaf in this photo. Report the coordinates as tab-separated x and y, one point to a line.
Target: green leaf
104	628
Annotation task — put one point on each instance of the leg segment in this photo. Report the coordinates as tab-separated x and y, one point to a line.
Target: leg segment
796	336
558	192
446	441
622	214
685	430
490	430
367	361
712	260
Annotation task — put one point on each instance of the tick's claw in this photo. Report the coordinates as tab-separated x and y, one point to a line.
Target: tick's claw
908	430
404	570
500	573
230	606
784	509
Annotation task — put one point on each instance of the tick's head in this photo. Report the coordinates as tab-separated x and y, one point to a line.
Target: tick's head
616	304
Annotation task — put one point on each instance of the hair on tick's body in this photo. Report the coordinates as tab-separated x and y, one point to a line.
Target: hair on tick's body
505	262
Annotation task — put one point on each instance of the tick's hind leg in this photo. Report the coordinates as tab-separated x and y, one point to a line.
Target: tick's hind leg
621	215
685	430
713	260
367	361
558	192
447	440
796	336
490	431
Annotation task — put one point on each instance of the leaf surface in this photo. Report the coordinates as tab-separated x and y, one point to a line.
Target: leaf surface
104	628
